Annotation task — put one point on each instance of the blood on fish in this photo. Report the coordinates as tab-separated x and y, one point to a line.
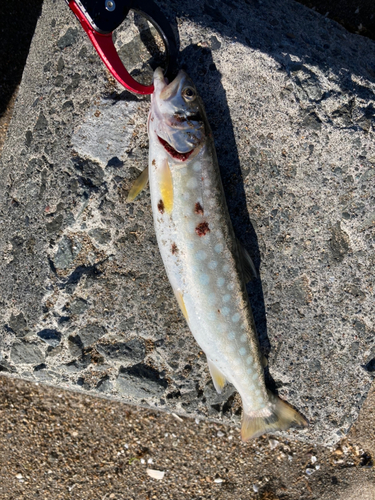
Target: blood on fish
153	162
198	208
173	152
202	229
174	248
161	206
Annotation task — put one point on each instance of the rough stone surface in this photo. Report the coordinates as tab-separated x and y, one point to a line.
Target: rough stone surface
290	98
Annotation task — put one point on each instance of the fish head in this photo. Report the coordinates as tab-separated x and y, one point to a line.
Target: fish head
177	117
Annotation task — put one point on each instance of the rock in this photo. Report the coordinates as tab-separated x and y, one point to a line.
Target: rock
102	236
66	253
140	381
131	351
293	121
18	324
78	306
50	336
26	354
90	334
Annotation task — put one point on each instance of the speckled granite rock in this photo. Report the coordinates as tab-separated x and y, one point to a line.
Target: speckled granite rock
85	302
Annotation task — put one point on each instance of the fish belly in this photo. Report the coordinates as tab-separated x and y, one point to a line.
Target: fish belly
200	255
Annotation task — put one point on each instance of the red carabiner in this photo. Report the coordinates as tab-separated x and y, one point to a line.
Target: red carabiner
104	46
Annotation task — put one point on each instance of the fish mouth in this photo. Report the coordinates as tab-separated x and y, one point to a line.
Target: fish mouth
171	151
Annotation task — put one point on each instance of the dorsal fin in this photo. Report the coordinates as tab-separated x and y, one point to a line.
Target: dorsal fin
247	264
217	377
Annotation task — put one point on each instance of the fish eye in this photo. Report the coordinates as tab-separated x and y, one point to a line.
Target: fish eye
189	94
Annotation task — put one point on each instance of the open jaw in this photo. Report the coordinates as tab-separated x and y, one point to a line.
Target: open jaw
175	154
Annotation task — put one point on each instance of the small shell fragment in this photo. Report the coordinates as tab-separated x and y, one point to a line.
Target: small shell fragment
155	474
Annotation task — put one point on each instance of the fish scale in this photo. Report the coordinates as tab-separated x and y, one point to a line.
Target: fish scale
201	255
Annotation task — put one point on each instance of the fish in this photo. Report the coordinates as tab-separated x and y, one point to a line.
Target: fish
206	265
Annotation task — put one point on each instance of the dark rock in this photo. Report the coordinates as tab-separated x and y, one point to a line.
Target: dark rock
312	121
51	337
18	324
91	173
41	123
29	138
55	225
141	381
215	43
134	350
90	334
26	353
66	253
104	385
339	243
78	306
68	39
102	236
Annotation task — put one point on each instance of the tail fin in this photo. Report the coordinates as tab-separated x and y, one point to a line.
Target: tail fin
282	417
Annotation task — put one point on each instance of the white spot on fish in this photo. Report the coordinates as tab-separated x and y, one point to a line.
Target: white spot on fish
249	371
236	318
186	195
211	316
224	311
226	297
255	376
236	361
231	335
231	347
192	183
230	286
191	227
197	167
249	360
201	255
219	234
219	248
242	351
226	268
190	244
212	264
212	298
220	281
207	193
221	327
243	337
204	279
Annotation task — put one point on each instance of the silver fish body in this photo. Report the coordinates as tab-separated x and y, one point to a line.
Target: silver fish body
203	260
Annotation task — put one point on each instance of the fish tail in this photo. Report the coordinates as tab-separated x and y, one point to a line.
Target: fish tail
279	417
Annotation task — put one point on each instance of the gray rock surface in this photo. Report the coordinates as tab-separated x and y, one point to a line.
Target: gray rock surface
85	302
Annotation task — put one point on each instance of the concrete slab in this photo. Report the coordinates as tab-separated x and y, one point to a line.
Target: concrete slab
85	302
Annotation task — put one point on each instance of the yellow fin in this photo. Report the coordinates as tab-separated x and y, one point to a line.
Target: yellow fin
217	377
181	303
166	187
139	184
281	417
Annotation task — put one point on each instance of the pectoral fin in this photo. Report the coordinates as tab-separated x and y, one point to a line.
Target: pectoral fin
247	264
139	184
217	377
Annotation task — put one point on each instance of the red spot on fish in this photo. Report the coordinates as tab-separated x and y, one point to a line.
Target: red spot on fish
202	229
174	248
175	154
161	206
153	162
198	208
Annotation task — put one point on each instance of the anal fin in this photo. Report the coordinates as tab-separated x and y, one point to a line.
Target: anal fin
217	377
139	184
247	263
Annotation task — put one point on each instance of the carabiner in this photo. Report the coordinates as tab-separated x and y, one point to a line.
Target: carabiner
99	19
